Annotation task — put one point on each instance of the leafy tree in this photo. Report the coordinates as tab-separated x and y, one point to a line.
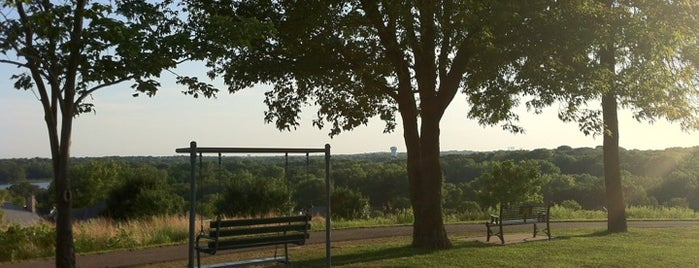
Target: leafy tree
510	182
458	198
310	192
635	54
92	181
356	60
11	172
589	191
67	50
558	187
247	195
144	192
19	192
349	204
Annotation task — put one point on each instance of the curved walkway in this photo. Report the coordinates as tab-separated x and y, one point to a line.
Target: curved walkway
174	253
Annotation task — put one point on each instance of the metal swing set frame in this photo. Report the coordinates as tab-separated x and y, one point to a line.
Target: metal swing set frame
195	151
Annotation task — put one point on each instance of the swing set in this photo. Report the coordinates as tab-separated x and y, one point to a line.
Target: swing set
282	230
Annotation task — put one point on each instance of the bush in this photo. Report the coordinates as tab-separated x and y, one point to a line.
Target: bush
17	243
571	204
648	212
510	182
348	204
144	193
677	202
248	196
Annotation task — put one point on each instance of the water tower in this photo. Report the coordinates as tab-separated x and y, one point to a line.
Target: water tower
394	151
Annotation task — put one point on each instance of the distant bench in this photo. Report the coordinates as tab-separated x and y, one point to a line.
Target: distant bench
249	233
519	214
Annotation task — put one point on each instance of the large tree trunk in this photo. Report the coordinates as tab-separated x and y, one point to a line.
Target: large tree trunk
425	175
616	215
616	209
65	250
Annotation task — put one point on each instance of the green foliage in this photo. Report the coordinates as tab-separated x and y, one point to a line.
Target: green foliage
19	243
510	182
559	212
310	192
661	212
248	196
93	181
19	192
349	204
458	198
571	204
651	177
143	193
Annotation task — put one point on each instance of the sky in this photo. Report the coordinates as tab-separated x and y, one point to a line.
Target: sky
126	126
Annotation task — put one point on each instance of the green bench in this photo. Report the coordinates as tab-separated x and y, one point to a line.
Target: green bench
250	233
519	214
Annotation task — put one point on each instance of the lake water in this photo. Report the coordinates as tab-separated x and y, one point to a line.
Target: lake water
43	185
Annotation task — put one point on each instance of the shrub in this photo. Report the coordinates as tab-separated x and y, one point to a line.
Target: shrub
17	243
248	196
571	204
348	204
144	193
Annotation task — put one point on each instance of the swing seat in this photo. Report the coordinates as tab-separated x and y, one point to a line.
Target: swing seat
251	233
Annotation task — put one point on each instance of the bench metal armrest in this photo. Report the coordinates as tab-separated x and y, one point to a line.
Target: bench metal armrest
494	219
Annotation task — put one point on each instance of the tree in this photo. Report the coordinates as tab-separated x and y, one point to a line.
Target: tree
635	54
21	191
92	181
66	51
248	195
510	182
349	204
357	60
144	192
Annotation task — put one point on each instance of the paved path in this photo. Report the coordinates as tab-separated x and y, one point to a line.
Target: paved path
174	253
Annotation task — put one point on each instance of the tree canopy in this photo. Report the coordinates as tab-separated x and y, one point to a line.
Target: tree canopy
358	60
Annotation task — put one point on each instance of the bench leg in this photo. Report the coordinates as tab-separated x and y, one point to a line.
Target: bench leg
501	235
198	259
536	230
489	233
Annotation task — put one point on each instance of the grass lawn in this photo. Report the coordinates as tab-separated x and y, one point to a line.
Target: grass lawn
648	247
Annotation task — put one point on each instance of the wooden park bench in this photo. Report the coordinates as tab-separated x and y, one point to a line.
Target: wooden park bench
519	214
250	233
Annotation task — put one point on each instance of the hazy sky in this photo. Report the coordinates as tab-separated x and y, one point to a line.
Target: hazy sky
128	126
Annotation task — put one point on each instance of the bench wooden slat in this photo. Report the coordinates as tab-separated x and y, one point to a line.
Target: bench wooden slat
260	230
298	239
260	221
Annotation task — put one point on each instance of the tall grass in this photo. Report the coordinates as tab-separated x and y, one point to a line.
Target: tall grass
18	243
104	234
661	213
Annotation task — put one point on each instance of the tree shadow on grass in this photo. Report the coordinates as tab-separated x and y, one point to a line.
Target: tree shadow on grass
593	234
382	254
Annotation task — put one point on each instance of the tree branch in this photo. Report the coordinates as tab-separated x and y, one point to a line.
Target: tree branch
88	92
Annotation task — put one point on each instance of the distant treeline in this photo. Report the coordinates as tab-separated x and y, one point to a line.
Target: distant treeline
362	183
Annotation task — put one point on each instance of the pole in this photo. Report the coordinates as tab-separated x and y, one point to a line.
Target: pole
192	200
328	262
